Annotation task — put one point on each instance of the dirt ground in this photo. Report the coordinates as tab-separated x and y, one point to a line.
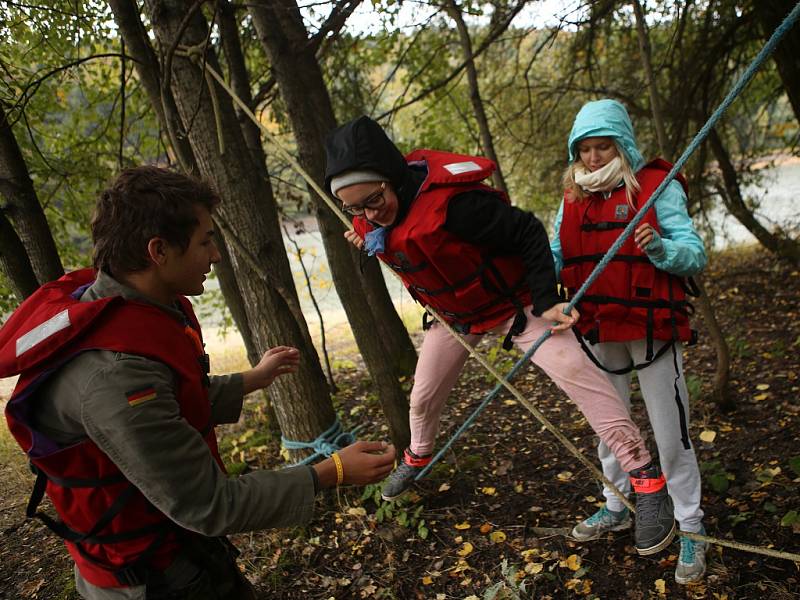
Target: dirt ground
491	517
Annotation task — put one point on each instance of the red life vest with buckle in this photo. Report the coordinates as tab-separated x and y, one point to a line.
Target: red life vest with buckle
631	299
468	286
114	534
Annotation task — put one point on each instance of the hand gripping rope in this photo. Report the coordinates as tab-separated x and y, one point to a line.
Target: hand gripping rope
196	54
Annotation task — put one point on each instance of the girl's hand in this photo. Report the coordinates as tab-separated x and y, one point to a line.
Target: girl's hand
562	321
643	235
276	361
352	237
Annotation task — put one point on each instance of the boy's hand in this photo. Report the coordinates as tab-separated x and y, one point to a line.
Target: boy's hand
352	237
276	361
362	463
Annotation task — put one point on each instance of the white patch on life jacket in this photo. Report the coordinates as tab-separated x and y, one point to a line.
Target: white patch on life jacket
462	167
41	332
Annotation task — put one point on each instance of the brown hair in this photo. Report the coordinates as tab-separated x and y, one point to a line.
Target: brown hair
140	204
575	193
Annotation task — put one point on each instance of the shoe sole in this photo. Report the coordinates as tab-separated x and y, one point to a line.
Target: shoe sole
390	498
621	527
688	580
660	546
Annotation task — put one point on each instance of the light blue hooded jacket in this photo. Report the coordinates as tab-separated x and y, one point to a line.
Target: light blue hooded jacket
678	250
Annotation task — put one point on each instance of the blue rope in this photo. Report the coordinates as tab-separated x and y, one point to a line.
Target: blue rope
737	88
328	442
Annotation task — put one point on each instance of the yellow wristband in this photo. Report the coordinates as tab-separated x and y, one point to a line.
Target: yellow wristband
339	468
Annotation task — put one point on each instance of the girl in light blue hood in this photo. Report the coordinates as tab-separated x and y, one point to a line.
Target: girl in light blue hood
635	316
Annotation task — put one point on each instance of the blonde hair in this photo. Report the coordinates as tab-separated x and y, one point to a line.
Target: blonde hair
575	193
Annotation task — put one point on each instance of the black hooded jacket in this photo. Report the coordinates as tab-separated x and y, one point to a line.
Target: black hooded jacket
478	217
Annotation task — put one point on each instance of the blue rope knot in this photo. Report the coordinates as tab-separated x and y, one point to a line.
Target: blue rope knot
329	441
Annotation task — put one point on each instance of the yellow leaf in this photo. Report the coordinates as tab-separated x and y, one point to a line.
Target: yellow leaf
760	397
708	436
572	562
533	568
498	537
518	488
565	475
464	525
661	586
762	386
489	491
510	402
357	511
444	487
427	580
466	549
486	528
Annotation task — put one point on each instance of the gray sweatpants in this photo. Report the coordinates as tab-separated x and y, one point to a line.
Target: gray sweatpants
670	423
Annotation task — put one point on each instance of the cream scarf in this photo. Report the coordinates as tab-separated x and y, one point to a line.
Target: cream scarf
602	180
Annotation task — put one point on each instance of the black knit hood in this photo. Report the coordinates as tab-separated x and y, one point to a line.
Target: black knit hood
362	144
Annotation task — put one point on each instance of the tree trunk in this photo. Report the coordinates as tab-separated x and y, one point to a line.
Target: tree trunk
721	392
475	94
781	245
770	15
379	332
22	207
14	262
647	65
721	389
126	15
302	401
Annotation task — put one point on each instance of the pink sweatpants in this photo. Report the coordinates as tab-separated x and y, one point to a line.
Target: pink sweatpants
442	357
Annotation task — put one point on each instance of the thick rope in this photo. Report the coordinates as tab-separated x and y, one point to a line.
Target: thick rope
702	134
329	441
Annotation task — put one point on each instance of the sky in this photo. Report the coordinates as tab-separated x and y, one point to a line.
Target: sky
414	13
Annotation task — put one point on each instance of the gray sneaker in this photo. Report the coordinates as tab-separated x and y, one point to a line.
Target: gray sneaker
655	520
692	561
600	523
403	476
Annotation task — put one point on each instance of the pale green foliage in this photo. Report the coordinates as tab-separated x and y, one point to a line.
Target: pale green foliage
66	119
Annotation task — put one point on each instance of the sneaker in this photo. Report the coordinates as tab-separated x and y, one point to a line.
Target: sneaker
692	561
655	521
403	476
602	522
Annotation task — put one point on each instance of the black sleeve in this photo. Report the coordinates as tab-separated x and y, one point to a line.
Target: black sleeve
482	218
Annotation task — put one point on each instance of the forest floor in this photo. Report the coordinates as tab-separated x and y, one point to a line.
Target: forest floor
492	516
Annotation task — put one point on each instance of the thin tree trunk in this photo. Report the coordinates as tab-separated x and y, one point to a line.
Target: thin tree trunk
126	15
22	207
302	400
379	332
14	262
770	15
475	94
647	65
779	244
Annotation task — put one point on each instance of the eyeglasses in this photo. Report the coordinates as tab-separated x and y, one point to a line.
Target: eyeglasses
374	200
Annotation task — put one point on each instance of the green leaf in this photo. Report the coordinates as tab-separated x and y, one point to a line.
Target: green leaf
718	482
790	518
794	465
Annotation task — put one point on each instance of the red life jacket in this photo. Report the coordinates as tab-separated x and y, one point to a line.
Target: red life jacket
114	534
632	299
468	286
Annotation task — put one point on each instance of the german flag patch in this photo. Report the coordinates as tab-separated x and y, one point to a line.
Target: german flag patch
140	395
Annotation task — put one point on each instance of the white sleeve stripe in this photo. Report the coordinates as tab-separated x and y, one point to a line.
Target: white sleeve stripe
41	332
